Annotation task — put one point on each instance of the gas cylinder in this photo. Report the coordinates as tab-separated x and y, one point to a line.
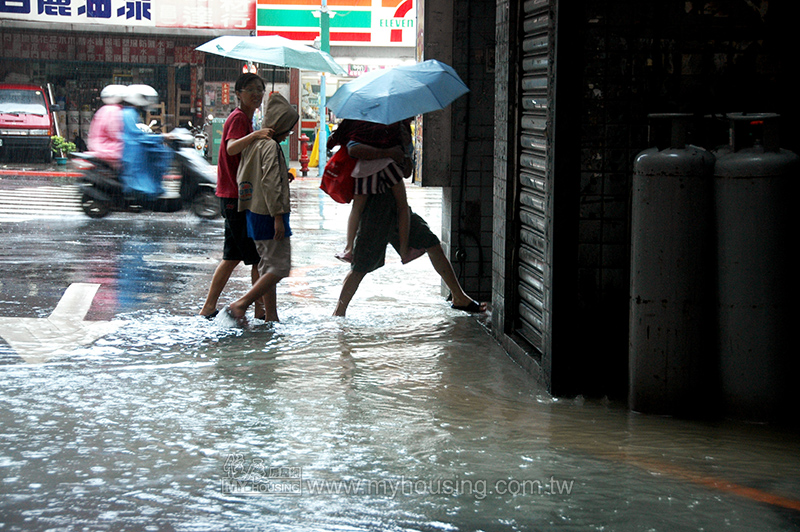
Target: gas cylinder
755	188
671	348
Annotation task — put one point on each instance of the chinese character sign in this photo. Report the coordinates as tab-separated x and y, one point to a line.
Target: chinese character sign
226	94
216	14
117	49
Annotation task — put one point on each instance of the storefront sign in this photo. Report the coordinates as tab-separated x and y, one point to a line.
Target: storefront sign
226	94
354	70
352	22
187	54
215	14
50	47
193	88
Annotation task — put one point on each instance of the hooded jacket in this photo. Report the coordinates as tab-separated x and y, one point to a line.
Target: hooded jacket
263	176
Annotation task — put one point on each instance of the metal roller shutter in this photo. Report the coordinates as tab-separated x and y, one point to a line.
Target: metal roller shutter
533	253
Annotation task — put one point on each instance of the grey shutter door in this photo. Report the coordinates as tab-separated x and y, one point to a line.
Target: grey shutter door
533	252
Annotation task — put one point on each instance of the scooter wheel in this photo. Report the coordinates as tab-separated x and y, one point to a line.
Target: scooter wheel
205	204
93	207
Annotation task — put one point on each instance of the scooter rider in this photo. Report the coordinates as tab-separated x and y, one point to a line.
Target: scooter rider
145	158
105	131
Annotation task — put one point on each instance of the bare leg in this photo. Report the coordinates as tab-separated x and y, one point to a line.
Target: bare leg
218	281
259	303
445	270
270	301
265	285
359	200
349	287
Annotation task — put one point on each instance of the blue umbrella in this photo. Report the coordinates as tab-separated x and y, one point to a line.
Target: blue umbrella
388	96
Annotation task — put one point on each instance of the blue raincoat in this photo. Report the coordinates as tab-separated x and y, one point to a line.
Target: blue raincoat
145	158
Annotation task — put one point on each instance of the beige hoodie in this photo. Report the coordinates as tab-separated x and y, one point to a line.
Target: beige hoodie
263	176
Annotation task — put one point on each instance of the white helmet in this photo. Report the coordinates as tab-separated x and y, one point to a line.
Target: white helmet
112	93
141	95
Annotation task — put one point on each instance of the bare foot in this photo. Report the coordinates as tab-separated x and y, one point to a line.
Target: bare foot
238	314
259	312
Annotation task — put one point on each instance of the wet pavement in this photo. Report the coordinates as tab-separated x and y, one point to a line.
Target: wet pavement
404	416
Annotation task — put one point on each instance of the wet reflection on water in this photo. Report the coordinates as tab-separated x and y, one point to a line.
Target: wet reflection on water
406	415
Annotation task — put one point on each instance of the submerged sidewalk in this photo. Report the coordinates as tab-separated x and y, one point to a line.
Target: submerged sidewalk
405	415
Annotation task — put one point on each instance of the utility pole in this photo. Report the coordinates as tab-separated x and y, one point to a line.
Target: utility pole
325	46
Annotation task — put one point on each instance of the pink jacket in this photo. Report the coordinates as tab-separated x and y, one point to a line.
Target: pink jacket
105	133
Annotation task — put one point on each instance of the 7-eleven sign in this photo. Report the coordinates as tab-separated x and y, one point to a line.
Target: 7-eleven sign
352	22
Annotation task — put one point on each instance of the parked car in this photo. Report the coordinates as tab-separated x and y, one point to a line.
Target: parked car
26	122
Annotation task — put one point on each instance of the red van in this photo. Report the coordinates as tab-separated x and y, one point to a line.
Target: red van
26	122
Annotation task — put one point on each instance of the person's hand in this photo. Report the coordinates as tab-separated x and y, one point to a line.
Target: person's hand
280	230
397	154
264	133
408	167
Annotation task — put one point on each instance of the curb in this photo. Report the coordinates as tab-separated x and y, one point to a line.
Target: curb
39	173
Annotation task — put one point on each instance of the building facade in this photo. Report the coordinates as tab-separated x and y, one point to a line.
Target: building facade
536	162
542	154
76	48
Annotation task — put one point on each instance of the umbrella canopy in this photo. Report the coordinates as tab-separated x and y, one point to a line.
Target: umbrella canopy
272	50
388	96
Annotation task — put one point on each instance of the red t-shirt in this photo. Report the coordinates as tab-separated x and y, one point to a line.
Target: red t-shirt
236	126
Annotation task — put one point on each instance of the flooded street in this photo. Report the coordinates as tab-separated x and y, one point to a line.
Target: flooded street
404	416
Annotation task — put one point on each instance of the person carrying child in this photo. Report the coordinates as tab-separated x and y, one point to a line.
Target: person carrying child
384	159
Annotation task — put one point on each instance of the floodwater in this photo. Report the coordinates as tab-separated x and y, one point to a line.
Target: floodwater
403	416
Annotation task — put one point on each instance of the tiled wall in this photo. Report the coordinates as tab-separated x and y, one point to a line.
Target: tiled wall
501	154
467	217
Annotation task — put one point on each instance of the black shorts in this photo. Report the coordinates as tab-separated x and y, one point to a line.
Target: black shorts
378	227
238	246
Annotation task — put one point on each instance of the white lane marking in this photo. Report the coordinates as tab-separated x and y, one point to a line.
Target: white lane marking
37	340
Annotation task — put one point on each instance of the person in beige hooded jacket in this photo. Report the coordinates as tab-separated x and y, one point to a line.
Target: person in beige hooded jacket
263	179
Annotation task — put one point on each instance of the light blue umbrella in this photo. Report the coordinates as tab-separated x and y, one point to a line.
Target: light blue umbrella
272	50
388	96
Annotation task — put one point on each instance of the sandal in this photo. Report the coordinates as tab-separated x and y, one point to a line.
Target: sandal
472	306
210	316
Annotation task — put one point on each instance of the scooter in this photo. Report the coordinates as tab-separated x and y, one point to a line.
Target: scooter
101	188
201	136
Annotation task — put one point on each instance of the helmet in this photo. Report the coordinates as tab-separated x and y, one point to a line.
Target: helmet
112	93
141	95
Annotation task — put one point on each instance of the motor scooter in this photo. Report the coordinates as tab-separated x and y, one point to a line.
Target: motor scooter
101	188
201	136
